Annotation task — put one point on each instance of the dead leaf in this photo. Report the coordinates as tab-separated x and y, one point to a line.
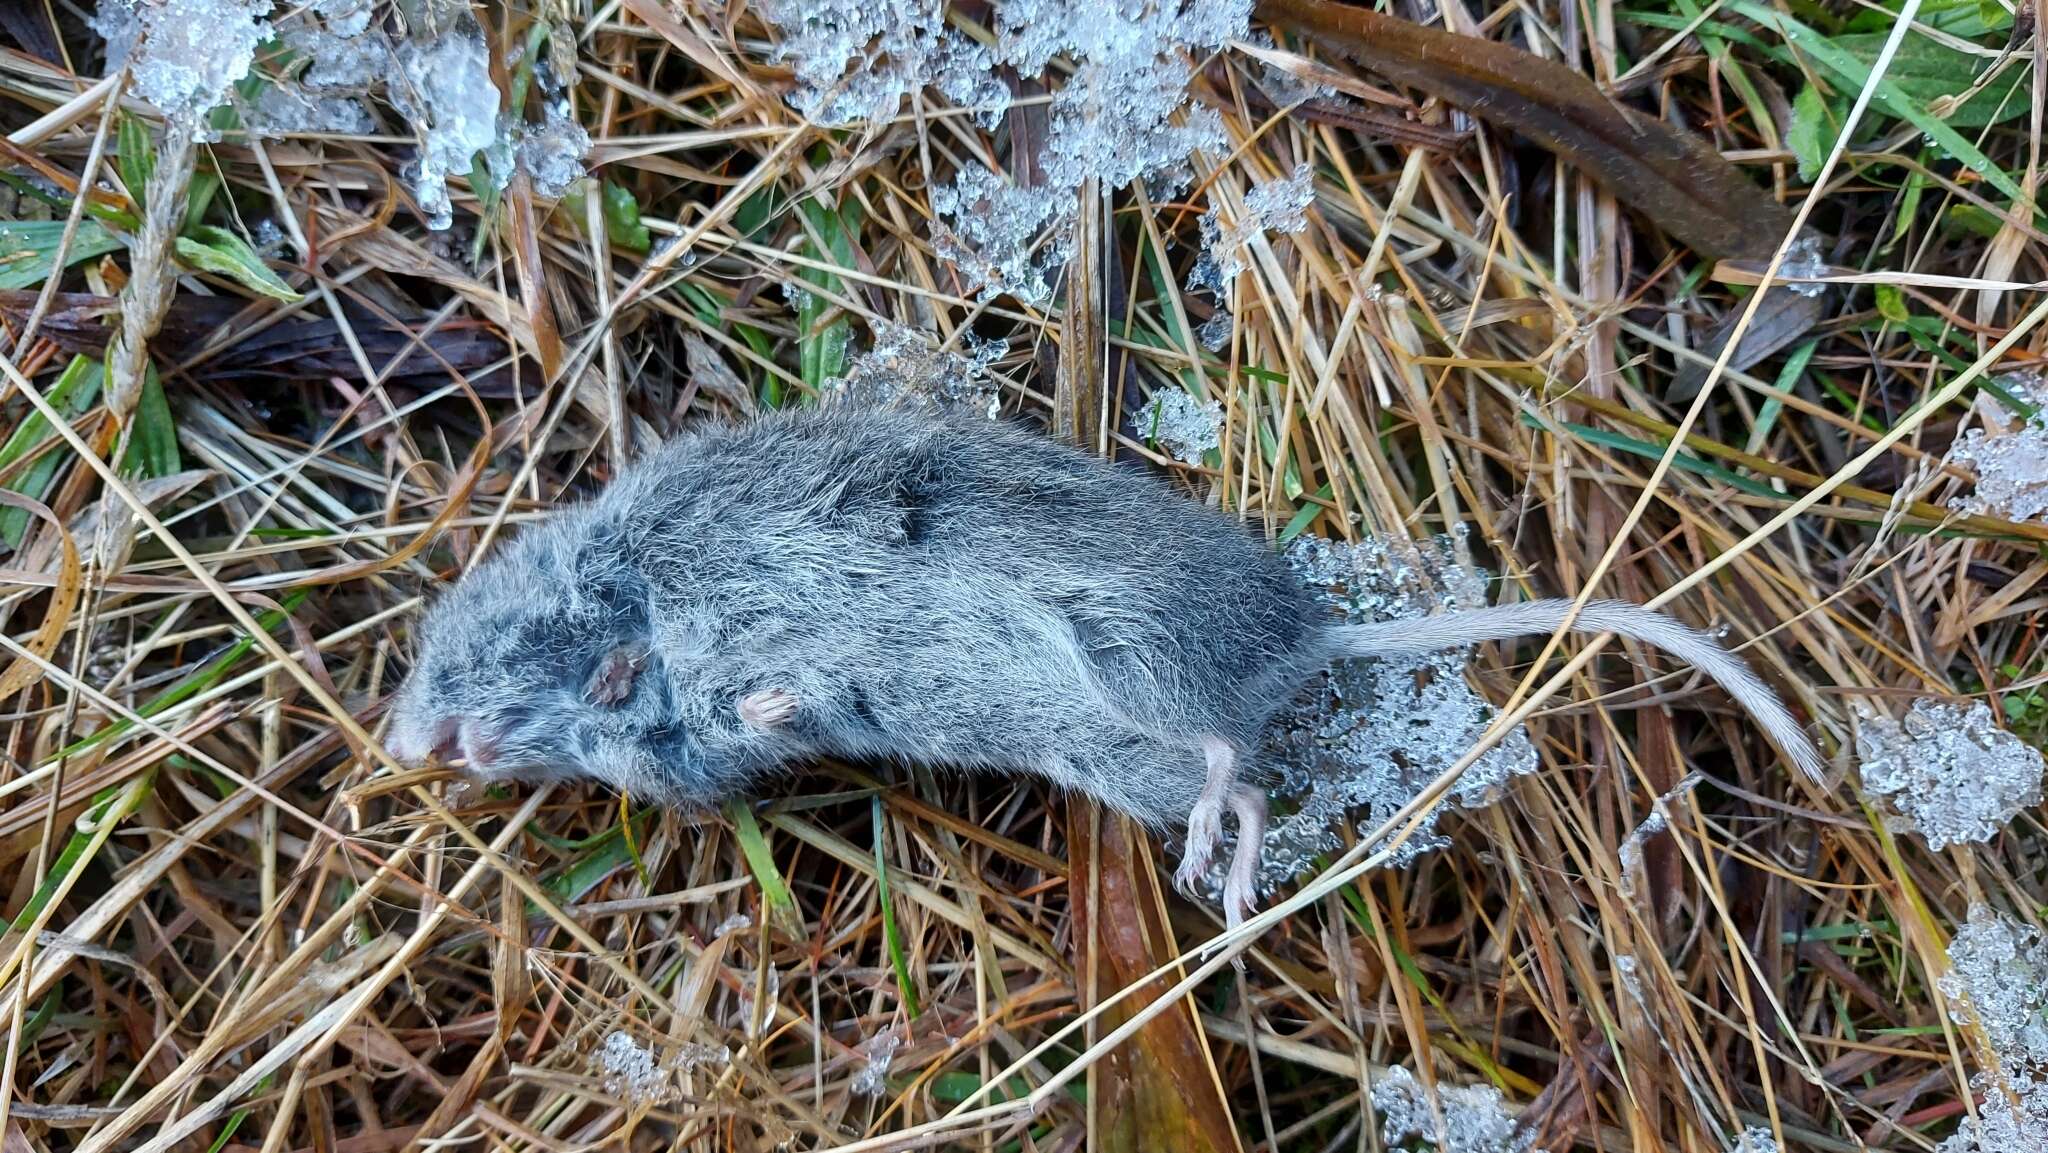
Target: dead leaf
24	671
1782	318
709	372
1160	1090
1669	175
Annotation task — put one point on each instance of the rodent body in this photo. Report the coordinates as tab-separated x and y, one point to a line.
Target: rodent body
913	586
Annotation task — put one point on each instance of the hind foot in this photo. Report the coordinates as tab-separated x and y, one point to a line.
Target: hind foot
1240	891
1205	820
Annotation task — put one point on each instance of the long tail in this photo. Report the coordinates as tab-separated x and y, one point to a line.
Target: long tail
1535	618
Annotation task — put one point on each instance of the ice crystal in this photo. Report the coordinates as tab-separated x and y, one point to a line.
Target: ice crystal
1755	1139
186	57
339	60
1998	981
1215	331
634	1072
1804	259
880	1052
630	1069
1003	237
444	88
552	152
737	923
856	60
1271	206
1475	1118
2011	467
1186	427
903	369
2004	1124
1951	775
1368	735
1121	116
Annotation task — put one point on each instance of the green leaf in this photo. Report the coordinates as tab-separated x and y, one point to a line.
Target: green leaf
217	250
775	898
28	248
73	393
1813	131
137	158
821	344
153	448
620	209
1891	304
199	198
622	218
1853	73
890	935
108	809
1927	70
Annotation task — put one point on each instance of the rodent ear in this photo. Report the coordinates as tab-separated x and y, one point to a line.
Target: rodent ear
768	709
612	681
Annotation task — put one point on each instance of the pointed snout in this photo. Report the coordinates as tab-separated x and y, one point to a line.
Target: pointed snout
441	740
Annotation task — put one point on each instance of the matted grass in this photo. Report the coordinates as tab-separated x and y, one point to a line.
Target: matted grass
236	926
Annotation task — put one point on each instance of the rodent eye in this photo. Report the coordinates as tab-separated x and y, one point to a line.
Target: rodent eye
611	683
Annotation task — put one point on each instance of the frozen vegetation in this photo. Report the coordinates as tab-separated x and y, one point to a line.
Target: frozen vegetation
879	1053
1949	774
903	369
1998	982
444	89
187	59
1122	115
2012	1117
634	1072
1475	1120
2011	467
1186	427
1273	206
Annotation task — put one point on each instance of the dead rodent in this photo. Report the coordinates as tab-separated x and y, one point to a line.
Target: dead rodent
900	585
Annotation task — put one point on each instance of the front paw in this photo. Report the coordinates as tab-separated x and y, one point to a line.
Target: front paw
768	709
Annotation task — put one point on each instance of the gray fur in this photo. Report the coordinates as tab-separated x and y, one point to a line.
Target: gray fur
939	589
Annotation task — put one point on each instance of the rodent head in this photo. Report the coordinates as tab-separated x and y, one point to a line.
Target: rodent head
539	664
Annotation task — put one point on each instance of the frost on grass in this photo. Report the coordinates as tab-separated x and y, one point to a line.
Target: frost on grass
1186	427
2011	466
631	1071
1004	237
1998	981
855	60
336	62
2012	1117
1369	735
552	151
904	370
1755	1139
634	1072
444	89
1475	1118
1804	259
1121	116
879	1054
1272	206
184	57
1951	775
